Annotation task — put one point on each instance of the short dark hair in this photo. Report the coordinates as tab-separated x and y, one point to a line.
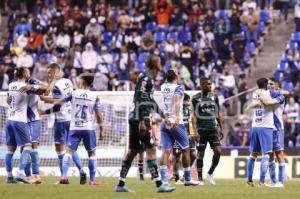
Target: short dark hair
88	78
186	97
53	66
204	80
262	83
19	72
171	75
273	79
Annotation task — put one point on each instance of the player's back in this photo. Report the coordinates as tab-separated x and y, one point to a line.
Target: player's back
19	102
263	116
84	103
168	91
62	89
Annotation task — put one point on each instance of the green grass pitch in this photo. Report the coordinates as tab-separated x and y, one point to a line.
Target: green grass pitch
225	189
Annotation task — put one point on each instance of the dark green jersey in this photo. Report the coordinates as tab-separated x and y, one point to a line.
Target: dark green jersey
186	117
206	109
143	100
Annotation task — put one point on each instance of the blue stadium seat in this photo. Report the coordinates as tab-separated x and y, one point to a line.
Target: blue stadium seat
141	66
264	16
283	66
160	37
292	46
161	47
185	36
164	29
151	26
167	66
261	27
251	47
287	86
107	37
243	27
295	36
143	56
173	35
278	75
223	14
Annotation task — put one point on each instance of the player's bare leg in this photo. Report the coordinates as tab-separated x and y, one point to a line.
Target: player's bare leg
214	164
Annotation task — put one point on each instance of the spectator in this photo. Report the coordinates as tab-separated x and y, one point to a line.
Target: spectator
105	60
22	27
35	42
77	60
4	47
242	87
124	20
178	18
118	40
221	31
292	112
25	60
94	27
89	38
163	11
285	8
148	43
229	81
224	50
251	21
89	58
297	15
235	22
40	69
247	5
49	41
236	137
22	40
194	11
74	78
171	49
100	82
63	41
4	78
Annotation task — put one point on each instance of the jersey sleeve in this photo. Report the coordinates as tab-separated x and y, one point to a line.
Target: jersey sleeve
280	99
68	99
179	91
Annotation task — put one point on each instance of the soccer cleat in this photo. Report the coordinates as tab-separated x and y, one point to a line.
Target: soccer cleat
11	180
123	189
22	178
211	179
82	177
275	185
165	188
36	180
250	184
191	183
95	183
201	183
64	180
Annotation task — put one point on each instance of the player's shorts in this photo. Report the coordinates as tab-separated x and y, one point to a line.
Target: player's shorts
87	136
192	146
208	136
278	140
61	130
170	136
35	130
140	142
17	134
261	140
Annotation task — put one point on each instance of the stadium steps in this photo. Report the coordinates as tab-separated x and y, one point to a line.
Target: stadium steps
3	25
274	45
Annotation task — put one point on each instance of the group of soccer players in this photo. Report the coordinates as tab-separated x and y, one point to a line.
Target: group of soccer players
76	110
267	135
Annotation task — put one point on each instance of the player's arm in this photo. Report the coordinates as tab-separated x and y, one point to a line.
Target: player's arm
179	92
219	118
8	99
56	102
99	116
268	101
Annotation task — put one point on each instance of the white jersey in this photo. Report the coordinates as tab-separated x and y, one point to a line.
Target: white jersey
32	112
263	116
278	110
84	104
19	102
169	91
63	89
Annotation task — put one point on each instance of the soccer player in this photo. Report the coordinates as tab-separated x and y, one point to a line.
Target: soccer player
62	88
278	136
85	106
261	140
140	126
187	119
173	129
207	121
17	128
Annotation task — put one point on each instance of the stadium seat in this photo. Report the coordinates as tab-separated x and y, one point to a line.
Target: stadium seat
167	66
151	26
141	66
223	14
287	86
278	75
143	56
160	37
261	28
295	36
283	66
292	46
161	47
264	16
243	27
173	35
185	36
251	47
106	37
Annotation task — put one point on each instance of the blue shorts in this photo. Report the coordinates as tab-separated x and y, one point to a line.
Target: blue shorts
35	130
278	140
61	131
17	133
170	136
261	140
88	137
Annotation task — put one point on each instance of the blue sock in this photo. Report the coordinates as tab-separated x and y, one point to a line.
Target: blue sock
35	162
77	161
67	162
250	167
28	169
60	156
281	173
8	163
272	172
187	174
264	167
92	168
163	170
24	159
